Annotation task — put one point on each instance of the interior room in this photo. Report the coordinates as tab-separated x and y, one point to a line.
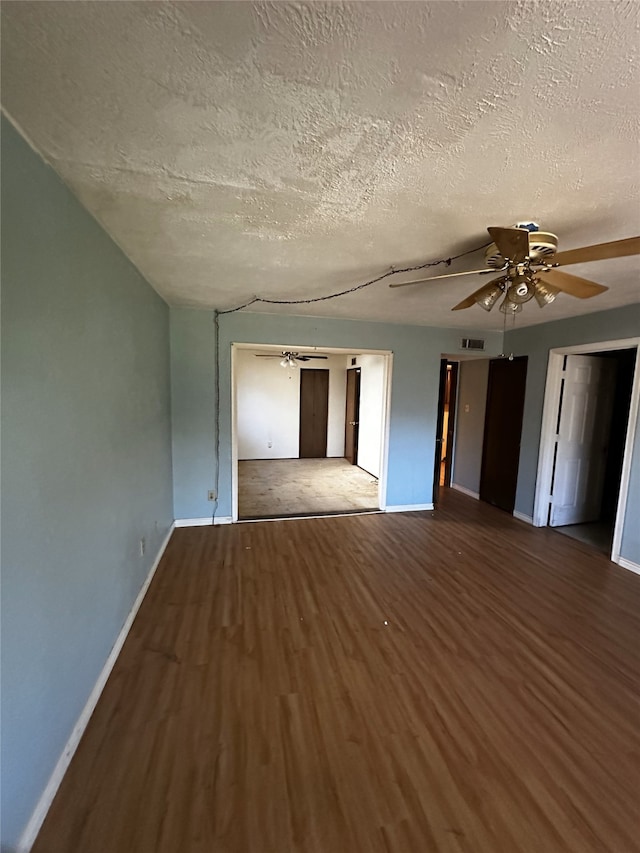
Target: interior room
309	428
320	437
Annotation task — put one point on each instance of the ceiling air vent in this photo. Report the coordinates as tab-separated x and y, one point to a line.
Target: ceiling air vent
472	343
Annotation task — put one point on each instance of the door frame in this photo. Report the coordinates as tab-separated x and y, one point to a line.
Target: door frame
452	366
357	371
452	422
386	414
549	421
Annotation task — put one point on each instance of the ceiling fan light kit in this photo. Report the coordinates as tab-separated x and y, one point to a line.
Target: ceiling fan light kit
529	260
509	307
488	295
545	293
521	289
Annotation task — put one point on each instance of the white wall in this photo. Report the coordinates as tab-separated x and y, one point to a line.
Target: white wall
372	392
473	377
268	400
337	365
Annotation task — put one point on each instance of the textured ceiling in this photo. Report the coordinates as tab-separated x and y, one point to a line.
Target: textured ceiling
294	149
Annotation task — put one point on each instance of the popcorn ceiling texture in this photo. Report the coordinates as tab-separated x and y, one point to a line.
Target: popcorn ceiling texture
292	149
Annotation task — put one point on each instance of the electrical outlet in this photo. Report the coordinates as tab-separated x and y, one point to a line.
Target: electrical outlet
211	496
143	546
269	444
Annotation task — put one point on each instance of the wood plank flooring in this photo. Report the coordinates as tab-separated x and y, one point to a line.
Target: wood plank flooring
453	681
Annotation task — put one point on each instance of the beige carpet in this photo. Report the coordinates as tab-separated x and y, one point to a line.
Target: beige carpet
282	487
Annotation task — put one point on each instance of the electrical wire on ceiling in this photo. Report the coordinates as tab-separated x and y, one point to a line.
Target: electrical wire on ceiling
357	287
264	300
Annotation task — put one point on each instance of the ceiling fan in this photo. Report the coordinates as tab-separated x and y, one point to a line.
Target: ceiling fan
527	260
290	359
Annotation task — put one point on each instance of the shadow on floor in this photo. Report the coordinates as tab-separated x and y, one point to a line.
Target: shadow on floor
597	534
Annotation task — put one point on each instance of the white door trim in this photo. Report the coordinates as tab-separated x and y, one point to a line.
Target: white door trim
234	435
547	433
386	423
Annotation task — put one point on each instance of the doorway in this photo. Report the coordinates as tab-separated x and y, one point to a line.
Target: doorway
585	450
445	426
289	432
503	431
352	417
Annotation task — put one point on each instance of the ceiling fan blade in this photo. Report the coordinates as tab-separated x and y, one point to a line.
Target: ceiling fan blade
599	252
307	357
266	356
471	300
445	275
512	243
571	284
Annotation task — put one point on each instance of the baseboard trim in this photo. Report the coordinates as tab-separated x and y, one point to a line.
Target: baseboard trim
36	820
522	517
203	522
628	564
465	491
409	508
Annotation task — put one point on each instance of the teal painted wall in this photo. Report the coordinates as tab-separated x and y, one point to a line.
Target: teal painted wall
535	342
193	358
86	462
414	397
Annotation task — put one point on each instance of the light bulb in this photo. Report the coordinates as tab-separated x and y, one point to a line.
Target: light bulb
521	289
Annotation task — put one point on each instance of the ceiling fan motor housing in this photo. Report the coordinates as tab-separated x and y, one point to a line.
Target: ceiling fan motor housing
542	246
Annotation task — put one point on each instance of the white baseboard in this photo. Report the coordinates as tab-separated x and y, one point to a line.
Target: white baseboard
203	522
628	564
465	491
523	517
408	508
36	820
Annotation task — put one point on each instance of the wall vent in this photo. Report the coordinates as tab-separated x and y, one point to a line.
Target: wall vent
472	343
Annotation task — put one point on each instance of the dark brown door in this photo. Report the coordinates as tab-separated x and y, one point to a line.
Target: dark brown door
314	410
502	432
352	416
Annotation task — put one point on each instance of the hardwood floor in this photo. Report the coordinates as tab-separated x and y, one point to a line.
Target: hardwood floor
453	681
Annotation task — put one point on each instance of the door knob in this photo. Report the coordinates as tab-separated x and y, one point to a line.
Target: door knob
352	423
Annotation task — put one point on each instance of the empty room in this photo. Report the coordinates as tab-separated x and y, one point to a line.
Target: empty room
320	436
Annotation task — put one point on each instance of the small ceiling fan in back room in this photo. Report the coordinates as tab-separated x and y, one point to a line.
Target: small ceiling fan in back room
290	359
528	261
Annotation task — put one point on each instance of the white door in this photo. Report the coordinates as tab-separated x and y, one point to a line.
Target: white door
584	421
